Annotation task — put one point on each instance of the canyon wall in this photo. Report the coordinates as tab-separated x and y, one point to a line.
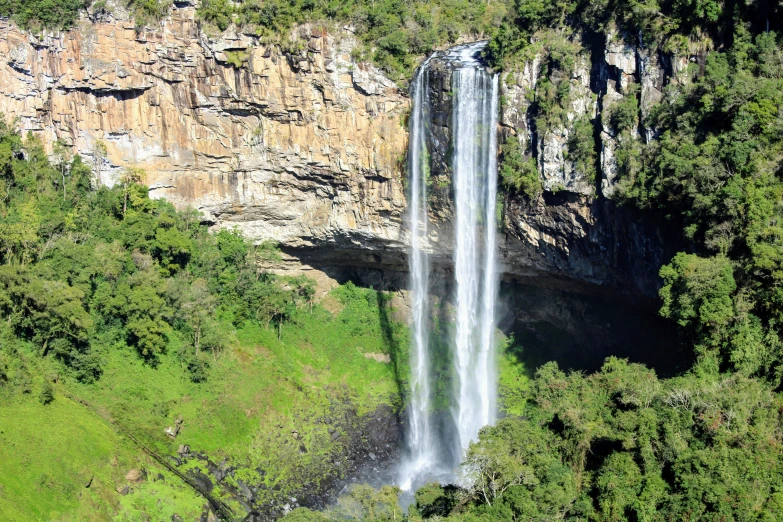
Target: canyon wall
300	147
306	146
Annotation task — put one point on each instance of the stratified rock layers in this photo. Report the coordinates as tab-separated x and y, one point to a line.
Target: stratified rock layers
301	148
306	146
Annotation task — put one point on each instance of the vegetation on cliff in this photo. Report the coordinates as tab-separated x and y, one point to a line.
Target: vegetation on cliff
37	15
121	302
395	34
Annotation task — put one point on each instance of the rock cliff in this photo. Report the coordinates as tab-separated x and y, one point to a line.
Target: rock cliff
301	147
306	147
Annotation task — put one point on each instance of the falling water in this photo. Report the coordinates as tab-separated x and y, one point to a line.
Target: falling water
475	192
421	444
474	166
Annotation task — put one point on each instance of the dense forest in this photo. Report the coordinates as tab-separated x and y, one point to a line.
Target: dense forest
88	269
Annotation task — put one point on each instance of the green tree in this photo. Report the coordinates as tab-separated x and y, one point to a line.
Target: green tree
697	291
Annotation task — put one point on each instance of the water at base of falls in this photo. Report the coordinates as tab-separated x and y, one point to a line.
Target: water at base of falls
434	454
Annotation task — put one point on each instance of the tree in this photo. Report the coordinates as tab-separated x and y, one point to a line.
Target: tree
199	305
514	459
697	292
49	313
172	248
99	152
143	311
62	154
303	288
129	177
232	246
270	303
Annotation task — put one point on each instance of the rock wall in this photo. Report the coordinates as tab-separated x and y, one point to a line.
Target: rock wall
606	68
300	147
574	228
307	147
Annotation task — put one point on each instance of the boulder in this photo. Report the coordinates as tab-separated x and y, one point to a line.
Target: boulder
135	476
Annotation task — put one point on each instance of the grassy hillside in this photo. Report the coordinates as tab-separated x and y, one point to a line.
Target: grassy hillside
61	461
260	386
122	317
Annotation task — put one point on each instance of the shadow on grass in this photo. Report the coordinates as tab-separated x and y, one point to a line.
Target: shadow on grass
393	348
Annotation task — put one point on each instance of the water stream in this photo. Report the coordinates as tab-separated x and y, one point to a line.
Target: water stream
421	458
475	193
431	453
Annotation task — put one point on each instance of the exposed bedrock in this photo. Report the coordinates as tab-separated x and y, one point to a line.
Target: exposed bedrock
308	147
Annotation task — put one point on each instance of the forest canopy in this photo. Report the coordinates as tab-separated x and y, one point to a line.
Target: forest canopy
84	267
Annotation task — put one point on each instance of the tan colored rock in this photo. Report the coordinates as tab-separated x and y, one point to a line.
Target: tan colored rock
299	149
134	475
379	357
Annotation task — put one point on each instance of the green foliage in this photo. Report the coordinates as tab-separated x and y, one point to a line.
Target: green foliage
435	500
512	470
518	172
366	503
394	33
623	115
716	171
146	12
61	461
697	292
622	445
237	59
657	23
47	394
39	14
581	148
133	306
216	12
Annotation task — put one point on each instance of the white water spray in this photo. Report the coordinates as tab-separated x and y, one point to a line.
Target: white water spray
474	165
421	443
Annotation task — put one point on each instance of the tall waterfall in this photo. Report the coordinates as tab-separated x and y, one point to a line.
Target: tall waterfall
475	192
474	181
421	443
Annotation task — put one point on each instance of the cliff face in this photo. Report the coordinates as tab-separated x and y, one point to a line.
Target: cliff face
301	148
307	147
571	228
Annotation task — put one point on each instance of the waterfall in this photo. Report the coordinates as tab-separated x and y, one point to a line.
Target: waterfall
421	444
475	192
474	181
